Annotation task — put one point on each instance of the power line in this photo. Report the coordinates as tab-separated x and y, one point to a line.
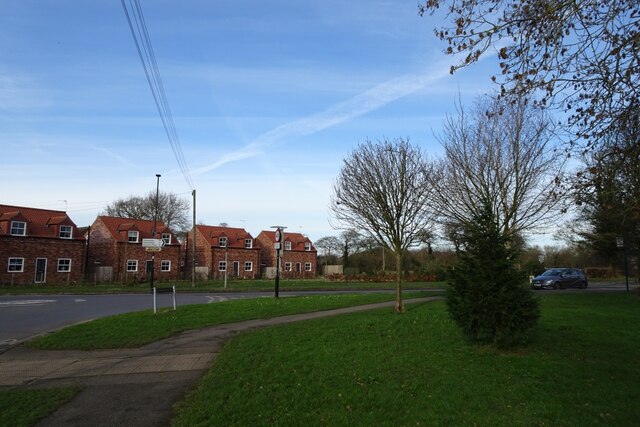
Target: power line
152	72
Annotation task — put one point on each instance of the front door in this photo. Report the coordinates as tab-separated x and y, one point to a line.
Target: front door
41	270
236	268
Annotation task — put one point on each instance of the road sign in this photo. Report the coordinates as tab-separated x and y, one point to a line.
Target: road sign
152	249
152	243
278	235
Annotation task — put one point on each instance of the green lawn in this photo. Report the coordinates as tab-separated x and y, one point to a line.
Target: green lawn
25	407
139	328
378	368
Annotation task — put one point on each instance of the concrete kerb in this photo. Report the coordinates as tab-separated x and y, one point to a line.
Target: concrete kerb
161	371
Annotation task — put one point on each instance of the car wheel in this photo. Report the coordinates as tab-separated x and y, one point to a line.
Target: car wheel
582	285
557	286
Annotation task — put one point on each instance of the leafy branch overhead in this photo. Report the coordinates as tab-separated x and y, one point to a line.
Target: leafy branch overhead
582	55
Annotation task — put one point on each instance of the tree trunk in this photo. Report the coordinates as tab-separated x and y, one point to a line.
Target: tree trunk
399	304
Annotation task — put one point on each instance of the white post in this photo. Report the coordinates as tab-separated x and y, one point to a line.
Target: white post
154	301
226	267
174	298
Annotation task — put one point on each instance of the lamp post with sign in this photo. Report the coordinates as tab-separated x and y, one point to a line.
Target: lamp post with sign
620	244
278	237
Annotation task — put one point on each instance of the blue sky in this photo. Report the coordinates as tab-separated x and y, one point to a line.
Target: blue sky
267	99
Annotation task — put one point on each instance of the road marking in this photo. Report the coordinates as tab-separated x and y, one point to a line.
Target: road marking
26	302
79	300
216	299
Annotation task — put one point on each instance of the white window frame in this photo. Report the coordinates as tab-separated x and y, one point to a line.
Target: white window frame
307	246
166	237
222	266
287	266
307	266
222	241
64	265
248	266
14	264
287	245
132	236
18	228
165	265
248	243
132	265
66	232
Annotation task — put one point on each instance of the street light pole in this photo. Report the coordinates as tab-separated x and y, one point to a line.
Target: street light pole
153	232
620	244
279	238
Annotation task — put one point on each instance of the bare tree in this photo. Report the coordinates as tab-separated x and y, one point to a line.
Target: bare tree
503	154
580	55
351	242
384	190
172	210
328	245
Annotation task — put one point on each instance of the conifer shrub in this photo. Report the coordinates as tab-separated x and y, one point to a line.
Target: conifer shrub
488	296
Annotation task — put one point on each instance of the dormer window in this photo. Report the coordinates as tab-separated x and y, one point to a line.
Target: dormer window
223	242
307	246
167	238
66	232
18	228
132	236
287	245
248	243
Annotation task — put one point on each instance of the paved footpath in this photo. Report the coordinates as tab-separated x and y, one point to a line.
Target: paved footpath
134	387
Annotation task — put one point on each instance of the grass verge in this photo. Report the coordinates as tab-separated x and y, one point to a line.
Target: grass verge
139	328
213	286
24	407
378	368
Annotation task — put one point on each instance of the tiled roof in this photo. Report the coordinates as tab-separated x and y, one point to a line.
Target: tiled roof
118	226
235	236
39	221
297	239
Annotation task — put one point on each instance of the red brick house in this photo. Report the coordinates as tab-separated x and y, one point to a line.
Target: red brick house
39	246
116	252
299	257
227	250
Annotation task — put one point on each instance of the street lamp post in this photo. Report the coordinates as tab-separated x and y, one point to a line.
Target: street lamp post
620	244
278	237
153	232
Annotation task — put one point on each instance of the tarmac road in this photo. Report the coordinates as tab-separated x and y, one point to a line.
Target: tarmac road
25	316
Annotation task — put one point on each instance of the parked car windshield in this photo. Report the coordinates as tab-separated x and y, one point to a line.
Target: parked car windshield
552	272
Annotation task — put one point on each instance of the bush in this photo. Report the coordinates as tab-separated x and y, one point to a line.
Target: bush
489	297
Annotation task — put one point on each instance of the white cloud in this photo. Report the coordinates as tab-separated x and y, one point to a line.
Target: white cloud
361	104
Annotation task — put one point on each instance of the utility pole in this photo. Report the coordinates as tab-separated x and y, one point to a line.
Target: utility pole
193	243
153	232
